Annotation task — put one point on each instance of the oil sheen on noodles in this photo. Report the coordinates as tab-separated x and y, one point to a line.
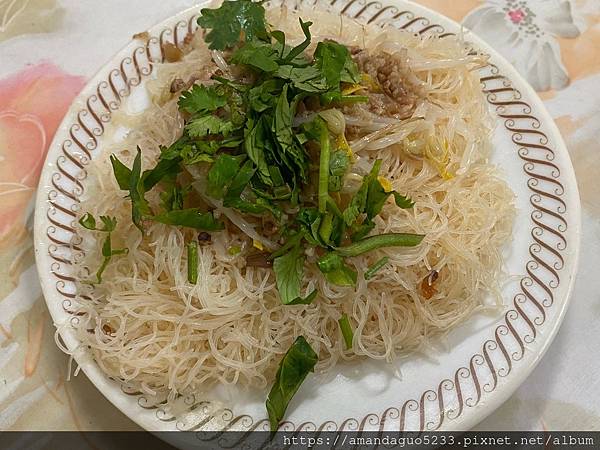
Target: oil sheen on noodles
146	326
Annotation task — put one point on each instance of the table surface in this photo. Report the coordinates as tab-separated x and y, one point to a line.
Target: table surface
49	48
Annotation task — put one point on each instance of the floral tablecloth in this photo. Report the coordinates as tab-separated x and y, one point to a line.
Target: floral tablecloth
49	48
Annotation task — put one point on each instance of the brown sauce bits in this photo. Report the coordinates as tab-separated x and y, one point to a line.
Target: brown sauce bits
427	288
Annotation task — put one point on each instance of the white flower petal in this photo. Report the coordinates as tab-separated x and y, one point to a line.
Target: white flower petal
560	22
487	22
547	71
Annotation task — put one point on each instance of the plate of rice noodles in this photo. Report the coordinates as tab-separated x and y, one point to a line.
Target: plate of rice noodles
320	216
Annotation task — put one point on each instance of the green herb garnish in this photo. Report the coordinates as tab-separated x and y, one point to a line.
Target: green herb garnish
266	152
371	271
233	22
192	262
299	360
288	269
88	221
346	329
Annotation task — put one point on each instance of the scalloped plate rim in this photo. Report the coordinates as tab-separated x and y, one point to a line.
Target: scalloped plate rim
464	421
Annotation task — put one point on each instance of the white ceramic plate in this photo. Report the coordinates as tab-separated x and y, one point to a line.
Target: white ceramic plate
486	360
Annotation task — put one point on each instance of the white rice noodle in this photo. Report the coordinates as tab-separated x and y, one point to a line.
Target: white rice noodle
147	326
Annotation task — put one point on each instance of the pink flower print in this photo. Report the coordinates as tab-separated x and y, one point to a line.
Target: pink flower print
516	16
526	32
32	105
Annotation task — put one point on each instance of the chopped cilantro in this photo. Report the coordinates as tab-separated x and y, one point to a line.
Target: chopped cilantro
201	99
190	218
206	125
262	149
88	221
233	22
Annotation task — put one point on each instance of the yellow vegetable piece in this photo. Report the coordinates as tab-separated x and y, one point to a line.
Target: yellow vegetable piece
385	183
352	89
257	244
342	144
438	153
370	82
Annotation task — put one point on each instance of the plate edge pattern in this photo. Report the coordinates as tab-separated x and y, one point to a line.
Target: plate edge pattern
447	400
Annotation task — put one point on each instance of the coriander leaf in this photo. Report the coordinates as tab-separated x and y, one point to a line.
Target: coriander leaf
232	21
358	204
197	157
298	361
176	149
257	55
254	144
351	74
346	330
190	218
339	229
330	59
344	276
330	262
306	300
308	79
310	221
298	50
166	168
336	64
172	198
110	223
108	253
191	152
122	173
289	269
402	201
279	36
264	96
233	197
221	175
201	99
335	184
293	154
208	125
240	181
139	206
88	221
292	242
362	231
336	271
376	196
